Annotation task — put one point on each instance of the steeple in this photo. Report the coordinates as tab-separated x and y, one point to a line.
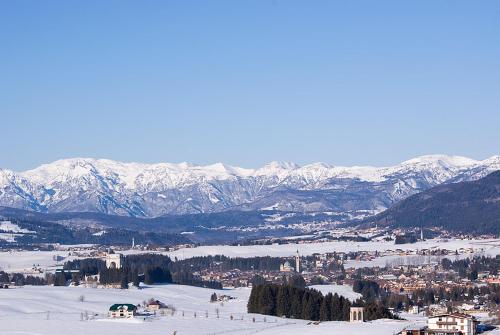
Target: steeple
297	262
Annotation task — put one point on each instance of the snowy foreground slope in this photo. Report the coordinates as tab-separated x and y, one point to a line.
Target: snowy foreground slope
54	310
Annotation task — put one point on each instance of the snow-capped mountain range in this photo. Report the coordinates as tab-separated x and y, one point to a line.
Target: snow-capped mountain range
151	190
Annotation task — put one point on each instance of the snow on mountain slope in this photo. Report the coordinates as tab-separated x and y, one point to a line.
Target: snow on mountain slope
136	189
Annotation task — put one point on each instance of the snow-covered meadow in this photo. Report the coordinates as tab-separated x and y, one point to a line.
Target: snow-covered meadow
53	310
23	261
490	246
343	290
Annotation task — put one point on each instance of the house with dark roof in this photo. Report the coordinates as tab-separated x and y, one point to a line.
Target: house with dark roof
122	311
155	305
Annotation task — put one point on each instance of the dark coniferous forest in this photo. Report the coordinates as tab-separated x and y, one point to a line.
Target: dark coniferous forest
468	207
285	300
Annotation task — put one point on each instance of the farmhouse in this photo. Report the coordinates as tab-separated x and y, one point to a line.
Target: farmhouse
122	311
155	305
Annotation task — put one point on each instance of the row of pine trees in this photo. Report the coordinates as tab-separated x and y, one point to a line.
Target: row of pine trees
298	303
287	300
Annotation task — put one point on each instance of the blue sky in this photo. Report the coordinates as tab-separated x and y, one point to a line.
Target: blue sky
248	82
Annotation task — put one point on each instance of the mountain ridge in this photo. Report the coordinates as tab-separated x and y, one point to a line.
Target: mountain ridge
469	207
151	190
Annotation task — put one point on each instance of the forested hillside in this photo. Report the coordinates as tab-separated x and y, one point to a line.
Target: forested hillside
469	207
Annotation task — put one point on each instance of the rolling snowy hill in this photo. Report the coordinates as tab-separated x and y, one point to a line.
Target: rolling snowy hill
152	190
47	310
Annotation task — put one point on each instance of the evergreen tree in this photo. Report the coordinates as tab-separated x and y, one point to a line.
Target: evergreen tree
60	279
325	311
297	281
75	278
283	302
296	303
267	300
124	283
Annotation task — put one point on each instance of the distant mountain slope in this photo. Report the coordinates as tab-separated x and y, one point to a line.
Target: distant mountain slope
153	190
222	227
472	207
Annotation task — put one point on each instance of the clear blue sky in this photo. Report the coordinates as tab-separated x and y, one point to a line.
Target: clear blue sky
248	82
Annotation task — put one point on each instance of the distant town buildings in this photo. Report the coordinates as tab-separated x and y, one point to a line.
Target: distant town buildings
286	267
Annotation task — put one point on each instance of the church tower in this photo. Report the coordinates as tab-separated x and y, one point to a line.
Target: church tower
297	262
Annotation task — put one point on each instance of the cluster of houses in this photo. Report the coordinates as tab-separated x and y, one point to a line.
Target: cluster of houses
127	310
334	268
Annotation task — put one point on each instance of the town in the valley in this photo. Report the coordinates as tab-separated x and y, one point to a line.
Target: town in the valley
446	284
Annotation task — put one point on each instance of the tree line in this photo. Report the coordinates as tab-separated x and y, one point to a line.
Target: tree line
224	263
470	267
147	268
290	301
20	279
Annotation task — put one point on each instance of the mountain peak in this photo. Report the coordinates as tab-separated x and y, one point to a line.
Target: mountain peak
101	185
457	161
280	165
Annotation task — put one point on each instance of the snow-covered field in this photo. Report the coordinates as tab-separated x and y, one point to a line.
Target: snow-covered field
19	261
491	246
11	231
57	310
343	290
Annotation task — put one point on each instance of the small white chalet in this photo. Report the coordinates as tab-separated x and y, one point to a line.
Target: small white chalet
122	311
